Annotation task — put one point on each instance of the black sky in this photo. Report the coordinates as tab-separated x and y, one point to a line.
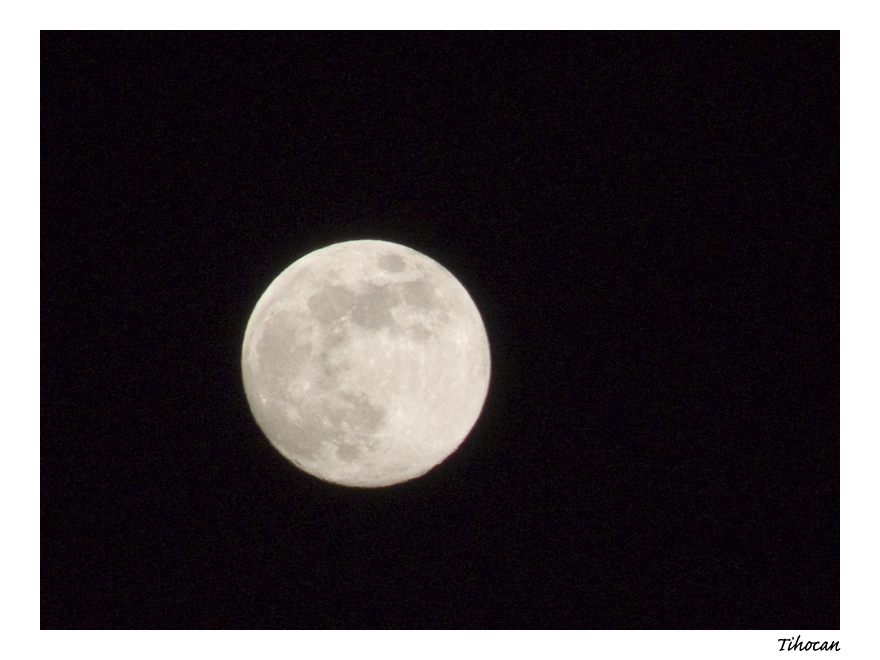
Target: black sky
648	223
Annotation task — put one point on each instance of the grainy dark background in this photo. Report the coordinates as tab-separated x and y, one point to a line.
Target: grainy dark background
649	226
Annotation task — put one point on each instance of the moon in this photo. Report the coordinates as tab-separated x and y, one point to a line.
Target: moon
366	363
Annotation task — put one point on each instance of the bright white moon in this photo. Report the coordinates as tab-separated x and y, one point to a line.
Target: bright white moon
366	363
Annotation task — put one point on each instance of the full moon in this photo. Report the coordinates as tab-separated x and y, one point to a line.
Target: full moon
365	363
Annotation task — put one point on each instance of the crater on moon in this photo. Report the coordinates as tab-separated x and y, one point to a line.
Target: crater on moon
392	263
366	363
372	309
331	303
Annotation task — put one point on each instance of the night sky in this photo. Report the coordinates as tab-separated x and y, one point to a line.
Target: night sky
649	226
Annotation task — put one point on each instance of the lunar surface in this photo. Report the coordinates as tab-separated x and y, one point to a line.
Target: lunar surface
366	363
